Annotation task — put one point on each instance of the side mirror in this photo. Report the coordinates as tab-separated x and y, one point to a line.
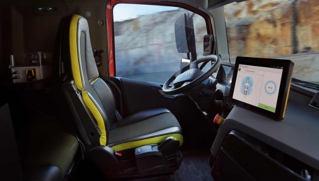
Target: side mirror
181	34
185	35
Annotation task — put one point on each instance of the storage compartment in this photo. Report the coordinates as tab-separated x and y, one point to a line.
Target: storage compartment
246	158
226	168
150	160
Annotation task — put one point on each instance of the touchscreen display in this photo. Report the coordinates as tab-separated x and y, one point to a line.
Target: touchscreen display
258	86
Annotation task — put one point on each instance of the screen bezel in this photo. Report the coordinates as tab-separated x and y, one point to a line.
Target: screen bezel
264	62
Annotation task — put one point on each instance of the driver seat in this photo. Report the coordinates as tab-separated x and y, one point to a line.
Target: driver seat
92	103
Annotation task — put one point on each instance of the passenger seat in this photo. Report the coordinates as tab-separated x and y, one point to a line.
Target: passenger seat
48	151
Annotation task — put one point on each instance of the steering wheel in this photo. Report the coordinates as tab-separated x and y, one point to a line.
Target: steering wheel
190	76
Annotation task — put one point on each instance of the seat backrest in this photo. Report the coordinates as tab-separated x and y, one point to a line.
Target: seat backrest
78	67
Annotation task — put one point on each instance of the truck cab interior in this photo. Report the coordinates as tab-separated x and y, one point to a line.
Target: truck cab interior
152	90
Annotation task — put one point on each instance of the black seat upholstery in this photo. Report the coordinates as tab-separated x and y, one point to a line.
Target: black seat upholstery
51	158
48	151
134	118
92	103
145	127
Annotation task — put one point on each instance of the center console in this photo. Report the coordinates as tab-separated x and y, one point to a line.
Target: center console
254	147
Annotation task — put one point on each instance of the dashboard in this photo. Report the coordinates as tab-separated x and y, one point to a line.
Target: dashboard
225	74
250	143
224	77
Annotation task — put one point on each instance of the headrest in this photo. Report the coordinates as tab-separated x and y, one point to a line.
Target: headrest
83	63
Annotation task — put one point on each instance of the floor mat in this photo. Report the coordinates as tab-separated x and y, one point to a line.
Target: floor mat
194	166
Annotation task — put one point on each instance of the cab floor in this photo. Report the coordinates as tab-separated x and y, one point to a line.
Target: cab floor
194	167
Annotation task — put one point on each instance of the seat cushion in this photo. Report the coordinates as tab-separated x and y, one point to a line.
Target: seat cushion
142	128
139	116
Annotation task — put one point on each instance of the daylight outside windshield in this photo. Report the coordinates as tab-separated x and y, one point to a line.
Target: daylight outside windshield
145	47
287	29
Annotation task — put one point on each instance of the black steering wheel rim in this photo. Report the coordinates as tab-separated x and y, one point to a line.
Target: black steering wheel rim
194	65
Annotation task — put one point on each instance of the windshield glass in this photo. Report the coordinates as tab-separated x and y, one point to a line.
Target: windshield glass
144	38
286	29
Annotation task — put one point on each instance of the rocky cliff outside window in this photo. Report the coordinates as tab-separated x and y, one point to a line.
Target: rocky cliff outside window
145	47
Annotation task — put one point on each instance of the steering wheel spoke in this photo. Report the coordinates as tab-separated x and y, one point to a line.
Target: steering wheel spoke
186	83
194	65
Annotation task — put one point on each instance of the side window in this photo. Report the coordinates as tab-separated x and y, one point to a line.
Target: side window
144	38
276	29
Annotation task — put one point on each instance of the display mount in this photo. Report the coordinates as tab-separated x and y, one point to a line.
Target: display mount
262	85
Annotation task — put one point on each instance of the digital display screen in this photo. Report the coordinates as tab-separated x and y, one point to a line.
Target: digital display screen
258	86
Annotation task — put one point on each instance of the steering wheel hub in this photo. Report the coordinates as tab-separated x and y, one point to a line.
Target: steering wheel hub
187	76
190	76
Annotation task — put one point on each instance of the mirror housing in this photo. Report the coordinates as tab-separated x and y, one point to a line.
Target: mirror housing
181	34
185	35
208	44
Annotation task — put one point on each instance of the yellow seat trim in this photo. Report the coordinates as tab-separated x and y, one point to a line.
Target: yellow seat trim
139	143
74	52
94	80
97	115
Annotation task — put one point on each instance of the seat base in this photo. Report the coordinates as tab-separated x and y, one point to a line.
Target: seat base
129	169
119	165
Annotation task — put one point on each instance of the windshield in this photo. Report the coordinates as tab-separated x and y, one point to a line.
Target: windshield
285	29
144	39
